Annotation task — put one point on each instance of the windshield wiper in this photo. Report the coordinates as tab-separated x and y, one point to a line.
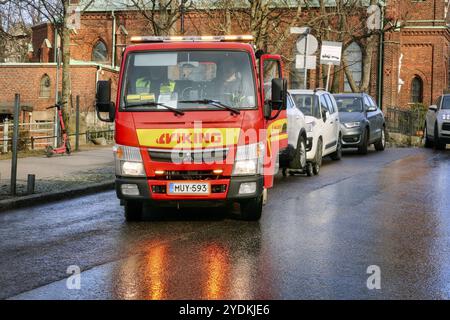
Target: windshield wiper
213	103
152	104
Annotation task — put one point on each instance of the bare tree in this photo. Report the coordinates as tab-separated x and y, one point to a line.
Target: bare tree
58	14
161	15
269	21
15	33
346	22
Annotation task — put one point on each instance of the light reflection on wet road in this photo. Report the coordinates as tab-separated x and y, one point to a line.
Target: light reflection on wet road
316	239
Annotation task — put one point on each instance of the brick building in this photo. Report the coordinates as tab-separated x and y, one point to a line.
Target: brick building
415	57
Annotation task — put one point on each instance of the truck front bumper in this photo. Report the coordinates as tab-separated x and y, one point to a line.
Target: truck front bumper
224	191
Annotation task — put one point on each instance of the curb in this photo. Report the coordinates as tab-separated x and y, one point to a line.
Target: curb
30	200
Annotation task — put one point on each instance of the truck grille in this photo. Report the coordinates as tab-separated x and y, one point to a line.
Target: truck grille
189	156
446	126
189	175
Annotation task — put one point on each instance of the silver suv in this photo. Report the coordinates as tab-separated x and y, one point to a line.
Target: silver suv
362	122
437	123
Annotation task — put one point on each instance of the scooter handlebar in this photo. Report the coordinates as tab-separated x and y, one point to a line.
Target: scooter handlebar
59	104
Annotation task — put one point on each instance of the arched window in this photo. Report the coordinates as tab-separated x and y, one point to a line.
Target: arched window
100	52
44	91
417	90
353	56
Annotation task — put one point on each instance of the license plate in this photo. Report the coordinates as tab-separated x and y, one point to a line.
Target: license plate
189	188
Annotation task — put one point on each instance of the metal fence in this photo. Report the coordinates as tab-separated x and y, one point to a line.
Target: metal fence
38	135
409	122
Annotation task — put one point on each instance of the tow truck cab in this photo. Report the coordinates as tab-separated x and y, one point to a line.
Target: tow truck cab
199	121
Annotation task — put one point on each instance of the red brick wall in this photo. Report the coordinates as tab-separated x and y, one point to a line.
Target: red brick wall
25	80
425	51
40	33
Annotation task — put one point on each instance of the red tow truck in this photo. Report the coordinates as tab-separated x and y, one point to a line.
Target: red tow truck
199	121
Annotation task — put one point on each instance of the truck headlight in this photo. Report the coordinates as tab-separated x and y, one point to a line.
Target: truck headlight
350	125
249	159
128	161
132	168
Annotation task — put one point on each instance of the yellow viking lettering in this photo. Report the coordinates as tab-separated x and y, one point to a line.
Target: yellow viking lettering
188	138
276	132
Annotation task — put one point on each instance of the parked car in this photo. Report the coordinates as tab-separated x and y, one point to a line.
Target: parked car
294	156
322	126
437	123
362	122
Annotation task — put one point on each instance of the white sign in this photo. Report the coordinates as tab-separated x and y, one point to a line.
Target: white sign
307	43
310	61
299	30
331	53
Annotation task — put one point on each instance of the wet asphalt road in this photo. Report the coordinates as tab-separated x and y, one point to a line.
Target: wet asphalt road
316	240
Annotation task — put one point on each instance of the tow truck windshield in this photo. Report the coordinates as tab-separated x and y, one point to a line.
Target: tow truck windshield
188	80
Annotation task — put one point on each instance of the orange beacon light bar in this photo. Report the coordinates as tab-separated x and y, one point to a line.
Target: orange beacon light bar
227	38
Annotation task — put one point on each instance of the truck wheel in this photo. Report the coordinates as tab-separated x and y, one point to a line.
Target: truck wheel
318	159
437	143
299	160
362	149
251	209
381	144
428	143
133	210
309	169
337	155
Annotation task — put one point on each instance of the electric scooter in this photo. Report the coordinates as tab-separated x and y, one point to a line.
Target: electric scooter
65	147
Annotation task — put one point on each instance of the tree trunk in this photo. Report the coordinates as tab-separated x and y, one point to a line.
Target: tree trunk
349	75
367	63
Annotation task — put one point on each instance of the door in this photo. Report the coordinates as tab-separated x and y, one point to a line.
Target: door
327	125
378	119
372	118
295	120
334	115
276	135
431	117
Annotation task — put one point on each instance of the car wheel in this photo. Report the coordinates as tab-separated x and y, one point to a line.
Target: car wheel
309	169
251	209
437	143
380	145
427	142
363	148
299	160
318	159
337	155
133	210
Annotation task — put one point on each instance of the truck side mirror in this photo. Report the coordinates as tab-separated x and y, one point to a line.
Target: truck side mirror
103	103
279	94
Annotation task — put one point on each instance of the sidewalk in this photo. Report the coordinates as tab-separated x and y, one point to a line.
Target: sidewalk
91	170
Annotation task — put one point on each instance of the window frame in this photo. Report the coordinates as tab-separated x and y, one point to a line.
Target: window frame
42	86
100	41
412	91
